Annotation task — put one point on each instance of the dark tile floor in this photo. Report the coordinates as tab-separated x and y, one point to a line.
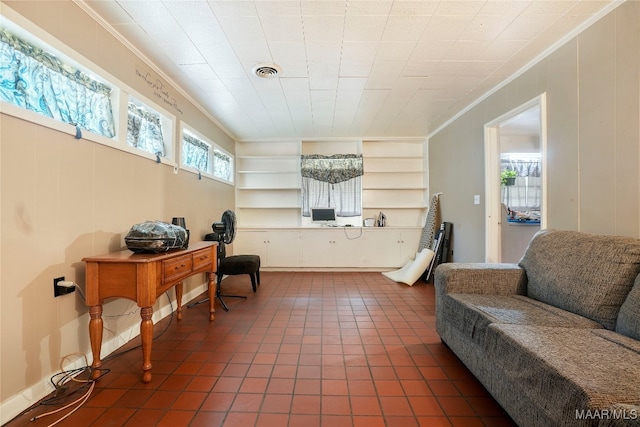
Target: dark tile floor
308	349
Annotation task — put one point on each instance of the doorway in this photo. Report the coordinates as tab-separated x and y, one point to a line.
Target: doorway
515	180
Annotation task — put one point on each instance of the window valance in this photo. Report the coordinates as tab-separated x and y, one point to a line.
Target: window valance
144	130
195	152
54	64
36	80
222	165
332	169
522	167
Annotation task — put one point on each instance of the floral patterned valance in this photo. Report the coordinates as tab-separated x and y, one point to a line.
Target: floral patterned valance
331	169
195	153
144	130
53	63
36	80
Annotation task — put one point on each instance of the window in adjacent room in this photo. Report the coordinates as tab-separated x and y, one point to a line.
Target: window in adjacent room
205	157
332	182
35	79
523	193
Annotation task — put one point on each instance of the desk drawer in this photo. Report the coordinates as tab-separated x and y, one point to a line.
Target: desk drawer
177	268
202	259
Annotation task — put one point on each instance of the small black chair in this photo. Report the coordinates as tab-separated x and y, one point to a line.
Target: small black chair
234	265
224	232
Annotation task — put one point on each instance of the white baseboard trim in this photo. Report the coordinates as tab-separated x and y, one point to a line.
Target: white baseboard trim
17	403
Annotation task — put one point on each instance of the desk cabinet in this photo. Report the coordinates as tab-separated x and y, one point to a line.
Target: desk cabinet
332	247
276	248
329	247
393	247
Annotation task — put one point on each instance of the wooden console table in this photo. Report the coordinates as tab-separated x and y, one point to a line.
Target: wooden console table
142	278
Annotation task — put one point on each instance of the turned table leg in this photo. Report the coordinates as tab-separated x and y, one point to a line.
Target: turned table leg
95	336
212	295
179	300
146	333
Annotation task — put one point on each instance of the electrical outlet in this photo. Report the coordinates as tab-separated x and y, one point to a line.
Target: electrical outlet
61	290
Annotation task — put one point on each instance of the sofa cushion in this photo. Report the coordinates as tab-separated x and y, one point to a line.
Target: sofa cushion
564	370
472	313
586	274
628	322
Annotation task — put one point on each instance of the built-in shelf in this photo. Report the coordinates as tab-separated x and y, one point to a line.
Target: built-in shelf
268	188
395	206
269	183
395	181
269	207
260	172
396	188
386	157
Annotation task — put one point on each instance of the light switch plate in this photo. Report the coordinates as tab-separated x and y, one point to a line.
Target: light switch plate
476	199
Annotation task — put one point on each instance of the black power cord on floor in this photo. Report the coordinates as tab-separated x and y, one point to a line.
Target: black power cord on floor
83	376
60	382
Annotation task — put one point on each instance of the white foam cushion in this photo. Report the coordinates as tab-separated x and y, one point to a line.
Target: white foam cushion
413	269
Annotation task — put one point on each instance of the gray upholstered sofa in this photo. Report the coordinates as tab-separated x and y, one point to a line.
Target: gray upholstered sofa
556	338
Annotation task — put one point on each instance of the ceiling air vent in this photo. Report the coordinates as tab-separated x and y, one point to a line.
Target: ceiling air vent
267	71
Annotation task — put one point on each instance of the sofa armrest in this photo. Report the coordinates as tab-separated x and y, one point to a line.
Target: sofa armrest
480	278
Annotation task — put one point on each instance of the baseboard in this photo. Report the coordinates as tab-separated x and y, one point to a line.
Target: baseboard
17	403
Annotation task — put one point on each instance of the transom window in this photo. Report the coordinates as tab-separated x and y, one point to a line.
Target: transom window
34	79
144	128
41	77
206	157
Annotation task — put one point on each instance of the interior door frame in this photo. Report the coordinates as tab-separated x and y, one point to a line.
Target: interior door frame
493	204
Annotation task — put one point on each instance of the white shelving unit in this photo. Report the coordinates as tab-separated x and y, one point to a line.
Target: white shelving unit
268	204
268	183
395	181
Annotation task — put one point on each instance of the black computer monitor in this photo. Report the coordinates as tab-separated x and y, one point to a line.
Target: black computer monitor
323	214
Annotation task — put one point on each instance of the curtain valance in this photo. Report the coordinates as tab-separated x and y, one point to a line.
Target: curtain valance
332	169
195	142
195	152
522	167
36	80
54	64
144	130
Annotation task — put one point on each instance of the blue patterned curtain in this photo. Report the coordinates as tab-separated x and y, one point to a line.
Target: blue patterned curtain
38	81
222	166
332	181
202	156
195	153
144	130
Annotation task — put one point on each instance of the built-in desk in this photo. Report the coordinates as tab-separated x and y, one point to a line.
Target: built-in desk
372	248
142	278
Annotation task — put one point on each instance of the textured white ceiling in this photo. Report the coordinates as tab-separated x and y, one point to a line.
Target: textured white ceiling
350	68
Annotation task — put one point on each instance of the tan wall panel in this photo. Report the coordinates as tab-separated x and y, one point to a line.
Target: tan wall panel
592	99
64	199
